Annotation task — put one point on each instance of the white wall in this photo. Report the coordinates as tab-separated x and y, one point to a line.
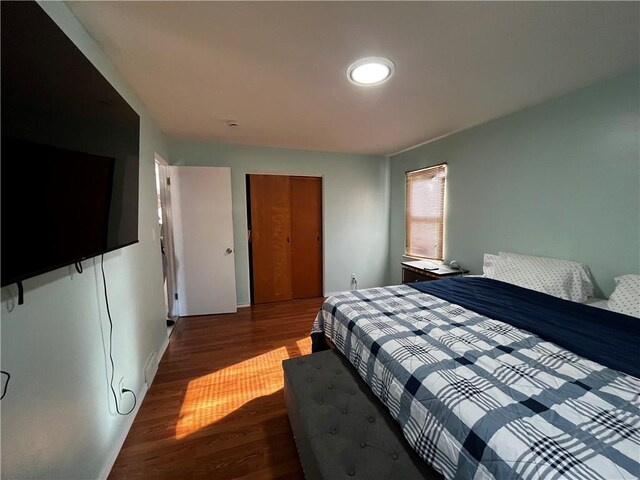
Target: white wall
58	419
355	191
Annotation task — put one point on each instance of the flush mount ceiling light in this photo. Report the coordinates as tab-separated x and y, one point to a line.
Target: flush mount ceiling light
370	71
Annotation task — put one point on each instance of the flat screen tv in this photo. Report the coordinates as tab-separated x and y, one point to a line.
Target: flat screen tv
70	147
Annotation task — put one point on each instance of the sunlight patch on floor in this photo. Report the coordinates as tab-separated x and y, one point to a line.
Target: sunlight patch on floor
214	396
304	345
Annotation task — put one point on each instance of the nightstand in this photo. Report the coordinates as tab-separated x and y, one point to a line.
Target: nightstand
414	271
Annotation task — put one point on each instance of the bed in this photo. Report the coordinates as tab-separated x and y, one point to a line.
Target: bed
491	380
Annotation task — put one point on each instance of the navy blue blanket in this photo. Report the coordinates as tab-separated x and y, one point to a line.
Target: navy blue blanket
606	337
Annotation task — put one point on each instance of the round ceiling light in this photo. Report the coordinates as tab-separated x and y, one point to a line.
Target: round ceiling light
370	71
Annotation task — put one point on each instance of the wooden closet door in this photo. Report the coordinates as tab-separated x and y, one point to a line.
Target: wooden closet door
306	236
271	237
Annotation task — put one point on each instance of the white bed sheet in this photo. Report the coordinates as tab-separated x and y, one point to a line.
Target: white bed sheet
597	302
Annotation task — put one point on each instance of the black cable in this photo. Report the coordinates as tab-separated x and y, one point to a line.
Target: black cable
113	368
6	385
79	268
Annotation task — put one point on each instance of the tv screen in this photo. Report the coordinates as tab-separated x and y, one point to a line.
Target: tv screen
70	146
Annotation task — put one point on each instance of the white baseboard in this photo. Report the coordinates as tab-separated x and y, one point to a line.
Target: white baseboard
161	351
111	460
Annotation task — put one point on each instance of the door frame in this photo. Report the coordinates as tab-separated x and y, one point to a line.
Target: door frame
248	221
164	185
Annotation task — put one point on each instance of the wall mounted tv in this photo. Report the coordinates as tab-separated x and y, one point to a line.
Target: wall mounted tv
70	146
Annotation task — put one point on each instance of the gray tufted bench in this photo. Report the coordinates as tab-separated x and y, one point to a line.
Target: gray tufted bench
341	429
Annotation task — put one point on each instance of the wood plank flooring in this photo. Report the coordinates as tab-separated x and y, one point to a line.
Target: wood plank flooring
216	407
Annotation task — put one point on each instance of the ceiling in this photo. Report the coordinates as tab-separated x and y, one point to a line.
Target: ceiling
278	68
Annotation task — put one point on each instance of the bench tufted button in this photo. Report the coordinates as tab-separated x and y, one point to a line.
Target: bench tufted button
338	372
371	419
309	380
345	411
333	431
318	367
352	392
320	402
362	444
330	387
394	456
351	472
300	362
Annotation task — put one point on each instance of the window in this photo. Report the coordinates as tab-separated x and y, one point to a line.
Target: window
425	212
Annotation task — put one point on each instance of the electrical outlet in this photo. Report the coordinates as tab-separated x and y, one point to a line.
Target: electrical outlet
119	388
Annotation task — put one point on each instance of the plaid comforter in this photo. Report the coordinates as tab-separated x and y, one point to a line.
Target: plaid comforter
478	398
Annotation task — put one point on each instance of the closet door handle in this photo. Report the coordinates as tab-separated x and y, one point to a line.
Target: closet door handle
228	251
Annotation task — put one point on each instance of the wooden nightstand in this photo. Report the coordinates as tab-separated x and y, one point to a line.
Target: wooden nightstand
414	271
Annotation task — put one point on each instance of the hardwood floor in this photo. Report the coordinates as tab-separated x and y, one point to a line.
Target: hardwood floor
216	407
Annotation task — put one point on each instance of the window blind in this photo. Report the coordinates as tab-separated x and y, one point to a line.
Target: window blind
425	212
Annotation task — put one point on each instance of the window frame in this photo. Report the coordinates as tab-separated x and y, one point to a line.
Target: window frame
438	219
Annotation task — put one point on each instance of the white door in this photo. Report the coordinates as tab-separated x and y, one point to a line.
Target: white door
203	234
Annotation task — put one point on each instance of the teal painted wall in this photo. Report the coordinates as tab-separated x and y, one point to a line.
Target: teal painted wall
355	205
561	179
58	419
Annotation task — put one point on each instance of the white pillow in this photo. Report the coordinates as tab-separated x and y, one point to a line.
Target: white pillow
626	296
560	278
487	265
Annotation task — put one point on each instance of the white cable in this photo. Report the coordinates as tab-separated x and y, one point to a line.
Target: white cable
455	264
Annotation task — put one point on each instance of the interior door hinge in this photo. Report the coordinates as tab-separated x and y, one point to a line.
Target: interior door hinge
168	181
175	295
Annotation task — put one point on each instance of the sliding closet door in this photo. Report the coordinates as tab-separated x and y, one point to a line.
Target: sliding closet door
306	234
271	237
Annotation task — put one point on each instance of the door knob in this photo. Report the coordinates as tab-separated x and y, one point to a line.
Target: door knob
228	250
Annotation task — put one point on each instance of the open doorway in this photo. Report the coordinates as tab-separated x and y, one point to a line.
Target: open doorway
163	189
